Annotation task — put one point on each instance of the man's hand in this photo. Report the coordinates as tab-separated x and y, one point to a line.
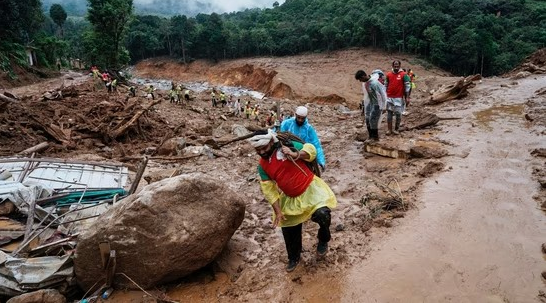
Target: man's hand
278	214
278	218
289	152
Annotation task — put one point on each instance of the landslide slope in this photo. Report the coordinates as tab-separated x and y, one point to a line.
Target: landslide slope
320	78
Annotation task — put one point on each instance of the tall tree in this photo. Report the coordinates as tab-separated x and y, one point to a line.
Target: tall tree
108	19
211	37
58	15
183	29
19	20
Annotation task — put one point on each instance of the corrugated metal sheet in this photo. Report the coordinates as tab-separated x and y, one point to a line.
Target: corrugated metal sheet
71	176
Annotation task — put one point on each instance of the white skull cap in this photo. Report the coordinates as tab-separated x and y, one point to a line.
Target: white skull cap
301	111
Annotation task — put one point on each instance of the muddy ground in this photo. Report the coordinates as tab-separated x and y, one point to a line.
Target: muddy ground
469	228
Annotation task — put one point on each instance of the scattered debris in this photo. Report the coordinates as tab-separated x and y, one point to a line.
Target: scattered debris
57	197
431	168
457	90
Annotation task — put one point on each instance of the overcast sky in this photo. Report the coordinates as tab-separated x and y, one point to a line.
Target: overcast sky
226	6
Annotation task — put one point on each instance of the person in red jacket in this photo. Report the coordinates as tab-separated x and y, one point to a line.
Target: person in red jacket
294	192
398	84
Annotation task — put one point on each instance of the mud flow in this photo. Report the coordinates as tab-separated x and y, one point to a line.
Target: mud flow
476	237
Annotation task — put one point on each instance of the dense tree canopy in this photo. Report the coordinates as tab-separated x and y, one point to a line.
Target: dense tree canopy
462	36
58	15
108	19
19	20
19	23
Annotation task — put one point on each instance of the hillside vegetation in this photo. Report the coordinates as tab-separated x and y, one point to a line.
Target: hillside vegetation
461	36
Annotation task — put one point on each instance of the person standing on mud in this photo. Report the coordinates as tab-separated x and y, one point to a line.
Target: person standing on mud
223	99
397	83
299	126
237	108
375	101
248	110
412	83
213	98
294	192
150	91
187	95
105	78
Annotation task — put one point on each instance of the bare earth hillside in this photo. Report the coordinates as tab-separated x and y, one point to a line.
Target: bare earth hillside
314	77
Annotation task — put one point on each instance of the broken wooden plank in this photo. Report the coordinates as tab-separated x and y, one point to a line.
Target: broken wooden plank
55	131
36	148
164	158
55	243
385	151
138	176
110	268
104	249
6	98
120	130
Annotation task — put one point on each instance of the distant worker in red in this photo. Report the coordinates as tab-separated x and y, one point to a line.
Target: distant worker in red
397	83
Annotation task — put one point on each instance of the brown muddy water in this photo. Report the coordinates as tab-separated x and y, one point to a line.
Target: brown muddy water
477	237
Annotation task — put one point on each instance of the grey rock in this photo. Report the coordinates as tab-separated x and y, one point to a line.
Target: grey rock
165	232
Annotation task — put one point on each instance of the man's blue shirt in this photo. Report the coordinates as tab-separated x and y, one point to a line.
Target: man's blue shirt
307	133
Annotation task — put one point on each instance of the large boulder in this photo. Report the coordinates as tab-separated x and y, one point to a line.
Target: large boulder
166	231
39	296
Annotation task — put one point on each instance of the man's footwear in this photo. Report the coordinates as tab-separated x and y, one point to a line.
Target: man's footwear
395	132
388	133
292	265
322	249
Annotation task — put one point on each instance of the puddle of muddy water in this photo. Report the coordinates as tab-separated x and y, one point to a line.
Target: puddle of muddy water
511	113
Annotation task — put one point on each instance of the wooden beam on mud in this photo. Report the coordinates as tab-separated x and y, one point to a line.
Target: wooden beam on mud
120	130
454	91
138	176
36	148
6	98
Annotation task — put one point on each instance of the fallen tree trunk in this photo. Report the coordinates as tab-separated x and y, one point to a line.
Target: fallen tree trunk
429	120
454	91
120	130
6	98
54	131
35	148
163	158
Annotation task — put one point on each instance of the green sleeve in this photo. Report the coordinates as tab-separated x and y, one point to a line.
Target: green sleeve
263	174
297	145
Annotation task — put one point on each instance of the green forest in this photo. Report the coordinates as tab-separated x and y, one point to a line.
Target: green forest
461	36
